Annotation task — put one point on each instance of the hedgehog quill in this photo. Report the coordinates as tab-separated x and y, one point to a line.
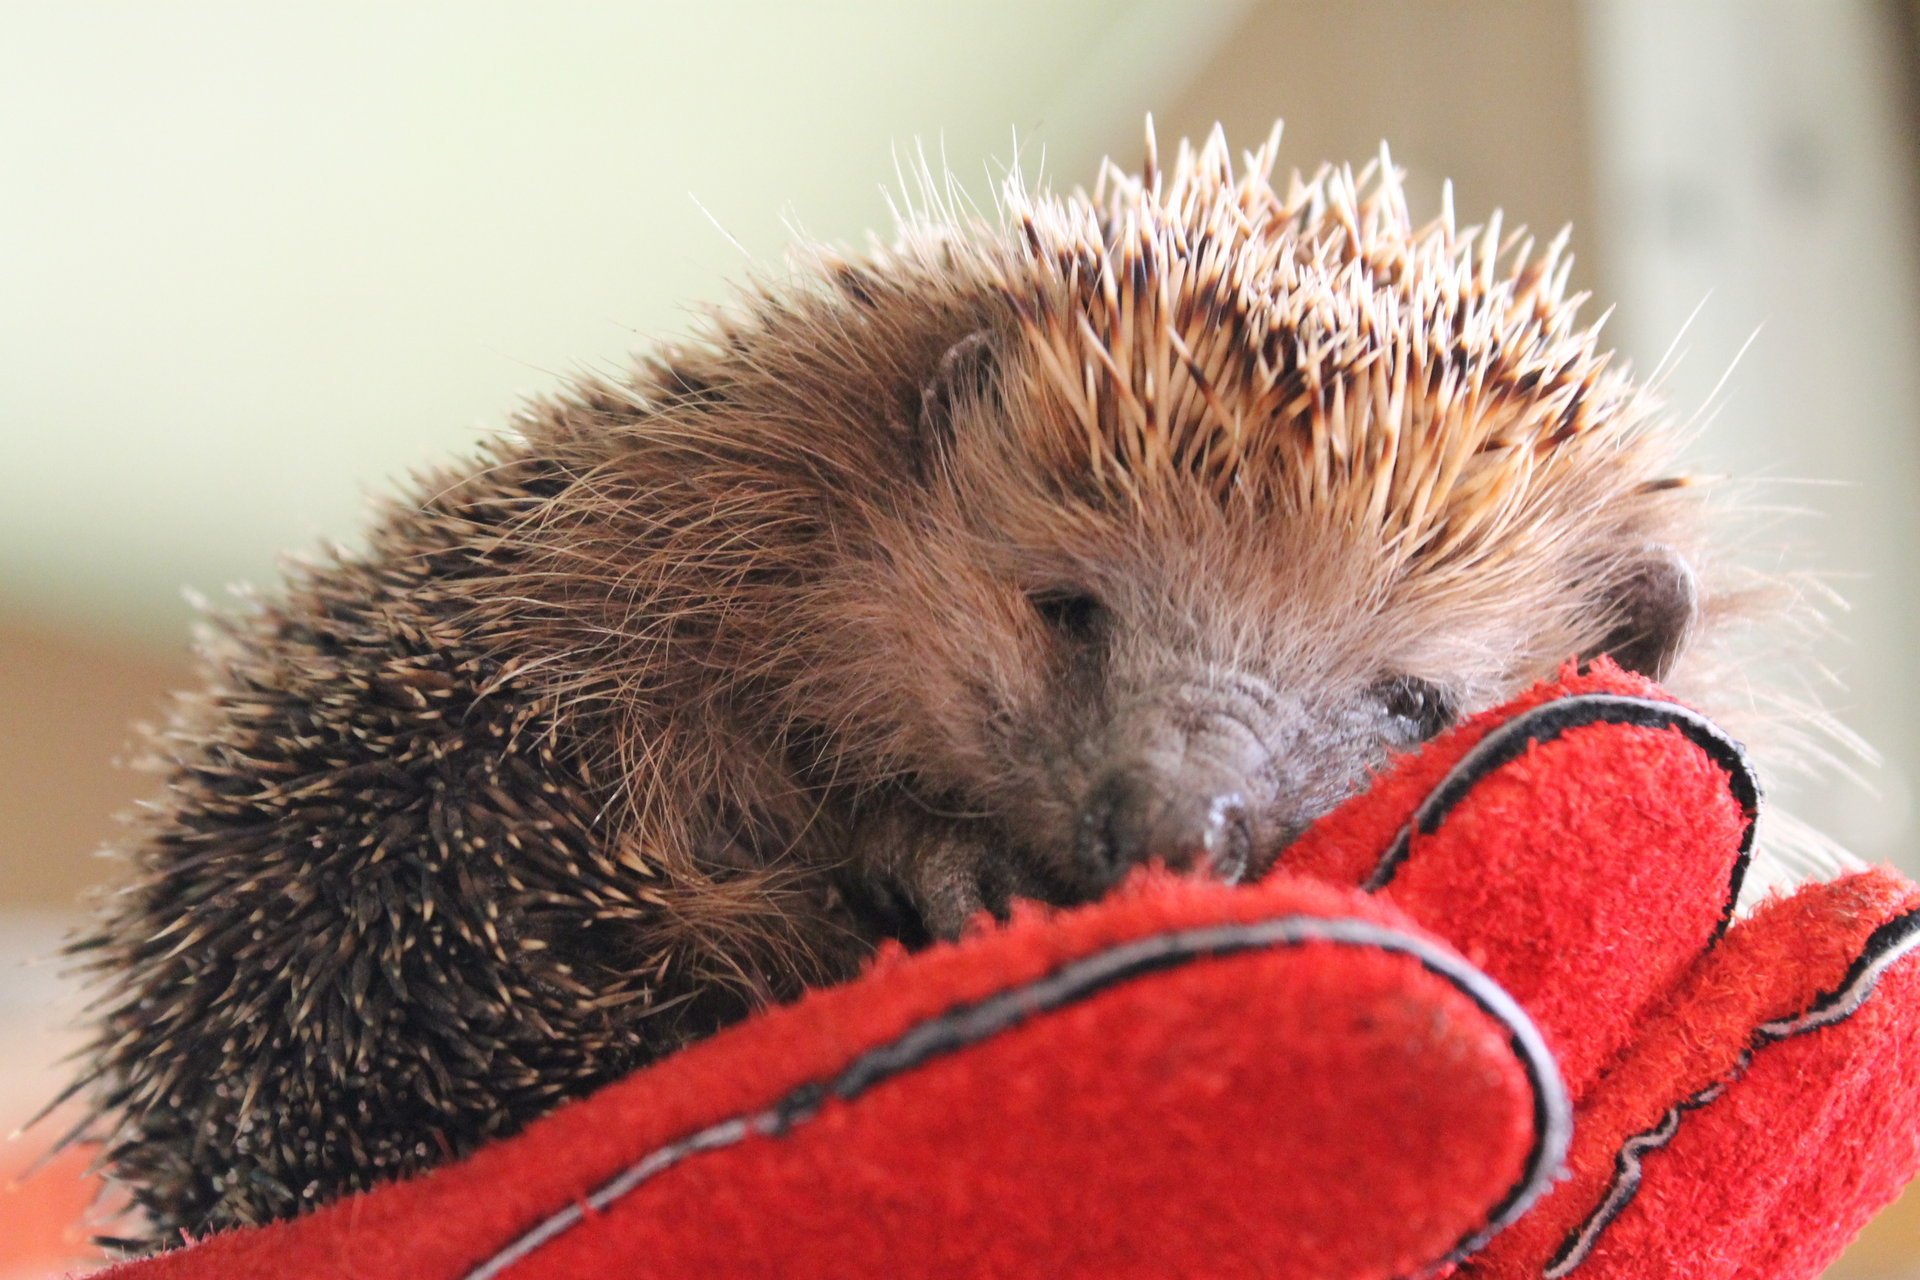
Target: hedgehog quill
1139	525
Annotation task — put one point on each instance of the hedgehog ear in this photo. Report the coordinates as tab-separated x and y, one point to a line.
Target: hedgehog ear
964	377
1655	602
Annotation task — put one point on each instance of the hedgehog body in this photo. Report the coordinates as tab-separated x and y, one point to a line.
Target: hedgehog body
1140	524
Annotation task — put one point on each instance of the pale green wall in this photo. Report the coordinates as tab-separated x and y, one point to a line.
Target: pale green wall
256	259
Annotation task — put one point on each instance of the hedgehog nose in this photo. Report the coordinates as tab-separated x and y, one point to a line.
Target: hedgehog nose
1134	817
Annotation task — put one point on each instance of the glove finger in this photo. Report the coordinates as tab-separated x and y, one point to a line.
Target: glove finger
1158	1083
1767	1110
1571	833
1347	845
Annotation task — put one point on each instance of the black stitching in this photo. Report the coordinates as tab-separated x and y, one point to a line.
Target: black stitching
974	1023
1550	721
1884	948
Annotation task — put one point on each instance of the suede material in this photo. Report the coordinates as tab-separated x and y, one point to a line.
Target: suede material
1221	1119
1775	1177
1639	869
1609	841
1837	1109
1345	846
1855	1153
1219	1114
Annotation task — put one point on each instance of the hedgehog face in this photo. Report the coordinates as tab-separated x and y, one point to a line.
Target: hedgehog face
1103	682
1229	495
1094	675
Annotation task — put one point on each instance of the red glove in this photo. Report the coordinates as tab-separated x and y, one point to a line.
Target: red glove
1183	1079
1289	1080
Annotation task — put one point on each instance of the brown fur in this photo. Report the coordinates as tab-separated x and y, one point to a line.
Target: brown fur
835	626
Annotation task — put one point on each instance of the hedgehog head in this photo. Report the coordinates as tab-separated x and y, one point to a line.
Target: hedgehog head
1228	492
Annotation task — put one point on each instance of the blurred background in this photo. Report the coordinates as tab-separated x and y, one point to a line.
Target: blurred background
257	261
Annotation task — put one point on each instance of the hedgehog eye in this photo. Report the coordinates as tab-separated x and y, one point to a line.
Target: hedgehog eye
1072	614
1421	706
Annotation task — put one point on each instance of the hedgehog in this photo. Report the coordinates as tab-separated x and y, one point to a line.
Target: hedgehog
979	566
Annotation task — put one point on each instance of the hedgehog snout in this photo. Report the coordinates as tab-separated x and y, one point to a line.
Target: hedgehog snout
1137	815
